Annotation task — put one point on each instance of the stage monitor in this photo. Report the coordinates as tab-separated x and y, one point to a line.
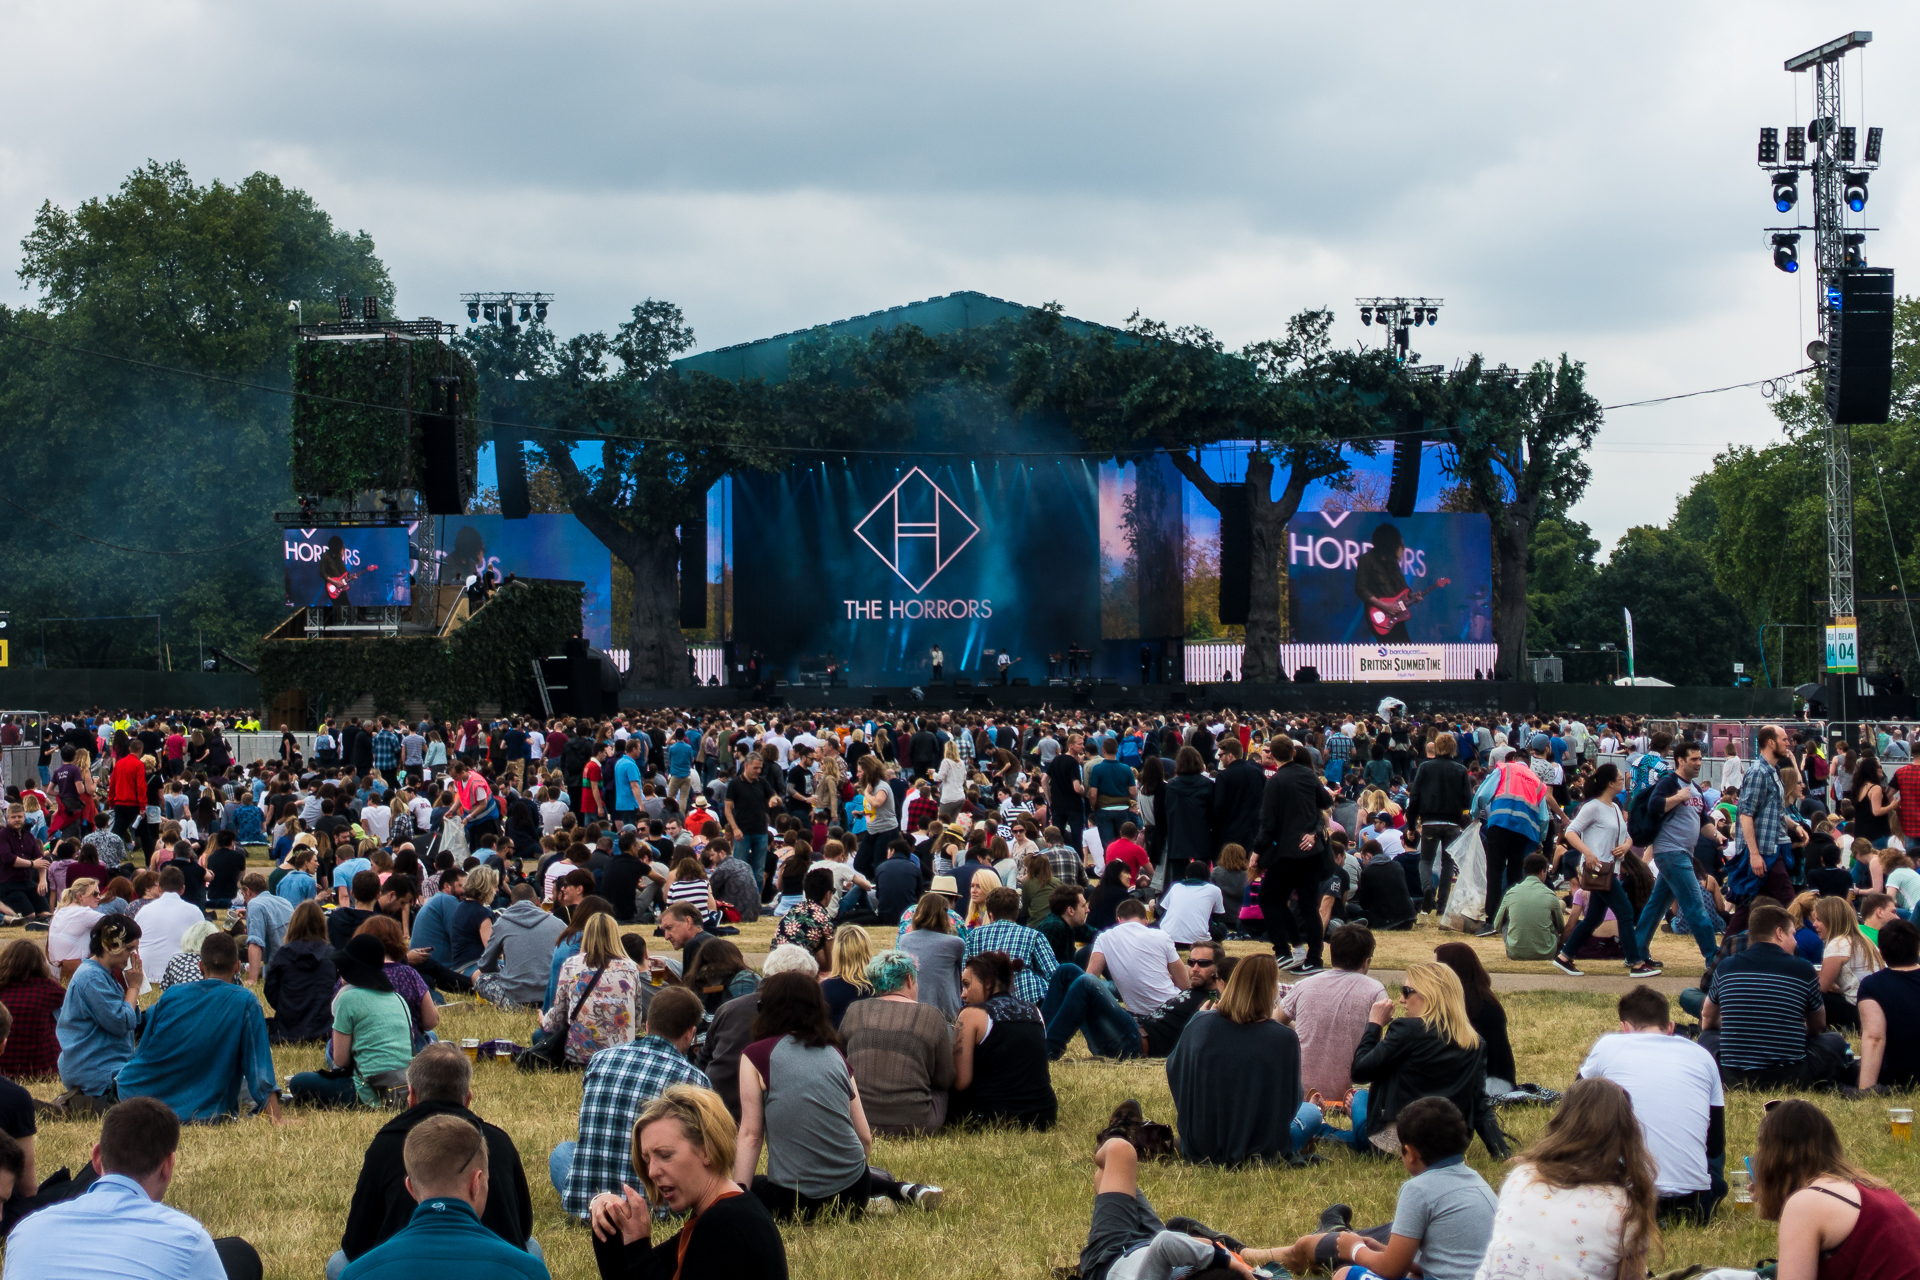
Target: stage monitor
1364	577
367	566
542	546
870	564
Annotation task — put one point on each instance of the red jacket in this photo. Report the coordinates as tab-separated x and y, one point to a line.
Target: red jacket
129	784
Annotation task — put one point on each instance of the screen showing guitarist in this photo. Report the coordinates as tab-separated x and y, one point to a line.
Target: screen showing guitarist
1382	586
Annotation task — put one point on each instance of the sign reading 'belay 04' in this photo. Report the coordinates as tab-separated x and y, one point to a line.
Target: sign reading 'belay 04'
875	562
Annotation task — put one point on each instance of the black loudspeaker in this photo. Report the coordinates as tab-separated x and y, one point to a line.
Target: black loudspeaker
1307	675
1860	347
1403	492
883	701
1021	682
1236	554
510	460
583	678
693	574
440	461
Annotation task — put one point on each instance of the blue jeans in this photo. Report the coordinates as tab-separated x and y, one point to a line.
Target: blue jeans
752	850
1057	987
1678	884
1107	822
1305	1127
560	1164
1352	1137
312	1088
1598	904
1090	1006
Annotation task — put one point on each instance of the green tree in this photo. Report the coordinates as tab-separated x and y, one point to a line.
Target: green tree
176	274
1560	573
1686	629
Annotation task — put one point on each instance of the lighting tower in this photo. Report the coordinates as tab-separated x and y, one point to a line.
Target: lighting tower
1838	185
499	307
1398	316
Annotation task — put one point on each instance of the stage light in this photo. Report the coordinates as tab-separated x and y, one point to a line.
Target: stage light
1366	315
1786	252
1433	316
1419	316
370	307
540	312
1855	191
491	311
473	312
1855	254
526	312
1843	149
346	307
1769	146
1873	145
1786	190
1796	145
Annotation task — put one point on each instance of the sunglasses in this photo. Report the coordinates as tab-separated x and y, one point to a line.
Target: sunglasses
1201	964
1408	993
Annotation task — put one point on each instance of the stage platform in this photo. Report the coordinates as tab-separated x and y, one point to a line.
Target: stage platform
1461	697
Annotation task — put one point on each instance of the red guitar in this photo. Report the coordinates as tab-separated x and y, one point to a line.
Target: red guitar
1394	610
337	587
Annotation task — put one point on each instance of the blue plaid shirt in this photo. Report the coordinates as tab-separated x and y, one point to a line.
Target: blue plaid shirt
619	1081
1760	799
1339	746
1029	946
386	751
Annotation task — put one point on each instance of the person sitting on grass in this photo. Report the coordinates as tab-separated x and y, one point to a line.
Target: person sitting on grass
1876	909
1235	1076
300	980
372	1030
619	1081
1531	917
684	1145
439	1084
1127	1240
100	1014
1890	1013
449	1174
1846	957
798	1097
1744	1023
100	1233
1442	1222
1835	1221
1433	1051
901	1049
1000	1048
203	1043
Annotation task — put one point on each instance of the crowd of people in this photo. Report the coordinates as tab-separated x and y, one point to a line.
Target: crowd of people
957	899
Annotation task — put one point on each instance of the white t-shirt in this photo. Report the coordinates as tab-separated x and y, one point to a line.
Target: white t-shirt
781	745
1904	885
1566	1233
1851	970
422	810
552	814
1188	909
163	923
1137	958
1673	1082
1609	745
377	821
1389	840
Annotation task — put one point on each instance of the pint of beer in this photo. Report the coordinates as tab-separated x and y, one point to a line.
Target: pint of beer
1900	1123
472	1049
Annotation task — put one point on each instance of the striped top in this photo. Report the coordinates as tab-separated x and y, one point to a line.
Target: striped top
693	891
1764	995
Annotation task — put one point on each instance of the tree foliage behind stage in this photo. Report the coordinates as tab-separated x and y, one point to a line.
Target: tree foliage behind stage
176	274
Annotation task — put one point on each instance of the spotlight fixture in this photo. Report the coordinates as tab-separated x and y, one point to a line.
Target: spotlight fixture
1817	351
1769	146
1854	192
1433	316
1419	316
346	307
1844	148
1796	145
1786	251
540	311
1855	255
370	307
1786	190
1366	315
491	311
1873	144
526	312
473	312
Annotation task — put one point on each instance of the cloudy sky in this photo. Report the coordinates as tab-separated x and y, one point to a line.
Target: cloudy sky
1569	178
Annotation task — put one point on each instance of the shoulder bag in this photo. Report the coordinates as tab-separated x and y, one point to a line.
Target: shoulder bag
549	1052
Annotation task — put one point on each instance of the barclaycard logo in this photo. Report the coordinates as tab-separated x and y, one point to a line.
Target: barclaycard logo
917	529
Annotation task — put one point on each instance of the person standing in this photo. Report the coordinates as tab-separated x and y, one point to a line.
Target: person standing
1512	804
1291	858
1066	801
1761	826
1677	797
1237	791
939	661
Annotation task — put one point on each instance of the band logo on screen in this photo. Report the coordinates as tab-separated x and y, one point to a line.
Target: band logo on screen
917	530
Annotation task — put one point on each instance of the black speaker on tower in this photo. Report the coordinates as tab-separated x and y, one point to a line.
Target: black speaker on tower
693	574
1403	492
1860	347
583	678
1236	554
441	437
510	458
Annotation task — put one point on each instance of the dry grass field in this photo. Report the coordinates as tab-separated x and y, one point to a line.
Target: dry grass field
1016	1203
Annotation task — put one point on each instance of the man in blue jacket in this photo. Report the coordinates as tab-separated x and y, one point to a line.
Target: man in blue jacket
446	1160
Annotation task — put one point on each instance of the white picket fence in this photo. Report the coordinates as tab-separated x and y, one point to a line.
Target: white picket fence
707	663
1219	660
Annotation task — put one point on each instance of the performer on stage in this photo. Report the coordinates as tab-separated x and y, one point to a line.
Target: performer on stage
1380	583
939	665
1006	666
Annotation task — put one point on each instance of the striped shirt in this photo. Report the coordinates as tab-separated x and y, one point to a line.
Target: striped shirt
1763	995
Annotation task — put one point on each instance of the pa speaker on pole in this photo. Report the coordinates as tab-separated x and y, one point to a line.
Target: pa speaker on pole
1236	554
693	573
510	459
1860	346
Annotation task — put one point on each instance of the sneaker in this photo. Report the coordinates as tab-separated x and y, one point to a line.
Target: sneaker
1306	967
1645	969
1488	932
923	1197
1194	1227
1286	962
879	1204
1567	966
1336	1217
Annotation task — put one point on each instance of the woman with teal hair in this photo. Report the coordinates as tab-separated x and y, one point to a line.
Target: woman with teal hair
900	1050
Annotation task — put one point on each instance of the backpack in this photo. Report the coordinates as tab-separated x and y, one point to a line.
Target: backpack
1643	821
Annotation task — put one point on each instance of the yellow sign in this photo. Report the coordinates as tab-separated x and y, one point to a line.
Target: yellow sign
3	653
1843	646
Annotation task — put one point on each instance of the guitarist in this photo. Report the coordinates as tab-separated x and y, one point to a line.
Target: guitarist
1377	579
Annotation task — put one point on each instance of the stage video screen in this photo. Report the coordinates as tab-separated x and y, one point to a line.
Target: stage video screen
368	567
867	566
1364	577
540	546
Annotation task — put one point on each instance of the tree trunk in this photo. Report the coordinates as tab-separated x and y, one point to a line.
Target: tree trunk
1511	536
1260	664
656	650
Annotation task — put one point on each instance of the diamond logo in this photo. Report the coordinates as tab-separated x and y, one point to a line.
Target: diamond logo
917	529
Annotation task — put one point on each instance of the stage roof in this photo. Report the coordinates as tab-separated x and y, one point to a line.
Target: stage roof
767	357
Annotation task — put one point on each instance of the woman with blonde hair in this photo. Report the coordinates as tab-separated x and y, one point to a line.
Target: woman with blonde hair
1846	957
1431	1052
984	882
594	1005
684	1143
845	981
1582	1201
951	777
73	920
1235	1076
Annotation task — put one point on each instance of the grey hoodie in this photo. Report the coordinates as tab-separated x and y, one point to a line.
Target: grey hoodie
521	948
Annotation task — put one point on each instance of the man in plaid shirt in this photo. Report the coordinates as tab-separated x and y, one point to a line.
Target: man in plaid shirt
386	748
922	806
1029	946
619	1081
1760	830
1067	867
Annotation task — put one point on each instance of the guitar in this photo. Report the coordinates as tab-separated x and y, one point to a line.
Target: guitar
337	587
1396	609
